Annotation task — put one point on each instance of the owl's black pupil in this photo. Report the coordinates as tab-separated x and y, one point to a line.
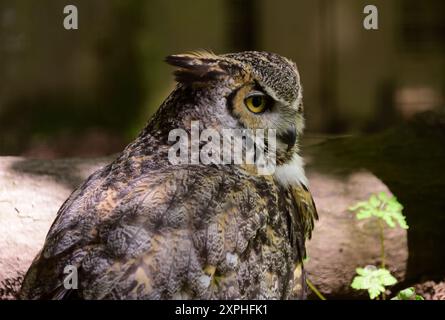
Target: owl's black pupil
256	101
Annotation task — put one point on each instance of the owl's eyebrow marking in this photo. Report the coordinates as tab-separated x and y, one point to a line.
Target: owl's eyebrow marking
258	87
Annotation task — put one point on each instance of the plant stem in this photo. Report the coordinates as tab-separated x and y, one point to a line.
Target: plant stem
314	290
382	246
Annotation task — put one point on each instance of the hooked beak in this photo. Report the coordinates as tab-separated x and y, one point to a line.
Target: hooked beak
289	137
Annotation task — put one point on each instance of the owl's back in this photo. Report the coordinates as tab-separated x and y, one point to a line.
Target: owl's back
171	232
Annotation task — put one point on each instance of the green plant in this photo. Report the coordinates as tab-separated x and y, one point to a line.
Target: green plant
311	285
314	289
408	294
388	211
374	280
381	206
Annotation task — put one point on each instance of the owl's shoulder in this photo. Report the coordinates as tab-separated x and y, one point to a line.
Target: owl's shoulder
161	197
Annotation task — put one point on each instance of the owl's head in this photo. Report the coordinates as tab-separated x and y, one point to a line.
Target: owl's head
253	90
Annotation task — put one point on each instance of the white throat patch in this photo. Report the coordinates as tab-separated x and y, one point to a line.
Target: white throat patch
291	173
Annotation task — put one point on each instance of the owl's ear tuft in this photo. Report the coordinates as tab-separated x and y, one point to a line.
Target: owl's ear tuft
197	67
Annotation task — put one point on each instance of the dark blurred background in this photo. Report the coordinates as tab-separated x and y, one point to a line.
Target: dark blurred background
87	92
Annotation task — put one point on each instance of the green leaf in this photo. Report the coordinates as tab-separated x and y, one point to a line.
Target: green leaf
364	214
408	294
387	279
373	280
381	206
358	283
389	221
358	205
375	290
374	201
383	196
362	271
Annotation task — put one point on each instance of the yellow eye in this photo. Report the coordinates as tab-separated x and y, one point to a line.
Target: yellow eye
256	103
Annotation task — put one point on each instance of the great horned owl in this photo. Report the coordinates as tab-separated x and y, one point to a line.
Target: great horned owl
142	228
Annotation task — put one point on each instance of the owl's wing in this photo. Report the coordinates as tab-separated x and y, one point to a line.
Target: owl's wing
173	233
42	280
303	216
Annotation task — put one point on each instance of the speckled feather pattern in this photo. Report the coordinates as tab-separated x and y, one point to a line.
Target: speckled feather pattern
141	228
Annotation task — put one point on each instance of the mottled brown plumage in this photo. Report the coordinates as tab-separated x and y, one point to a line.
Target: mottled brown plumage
142	228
